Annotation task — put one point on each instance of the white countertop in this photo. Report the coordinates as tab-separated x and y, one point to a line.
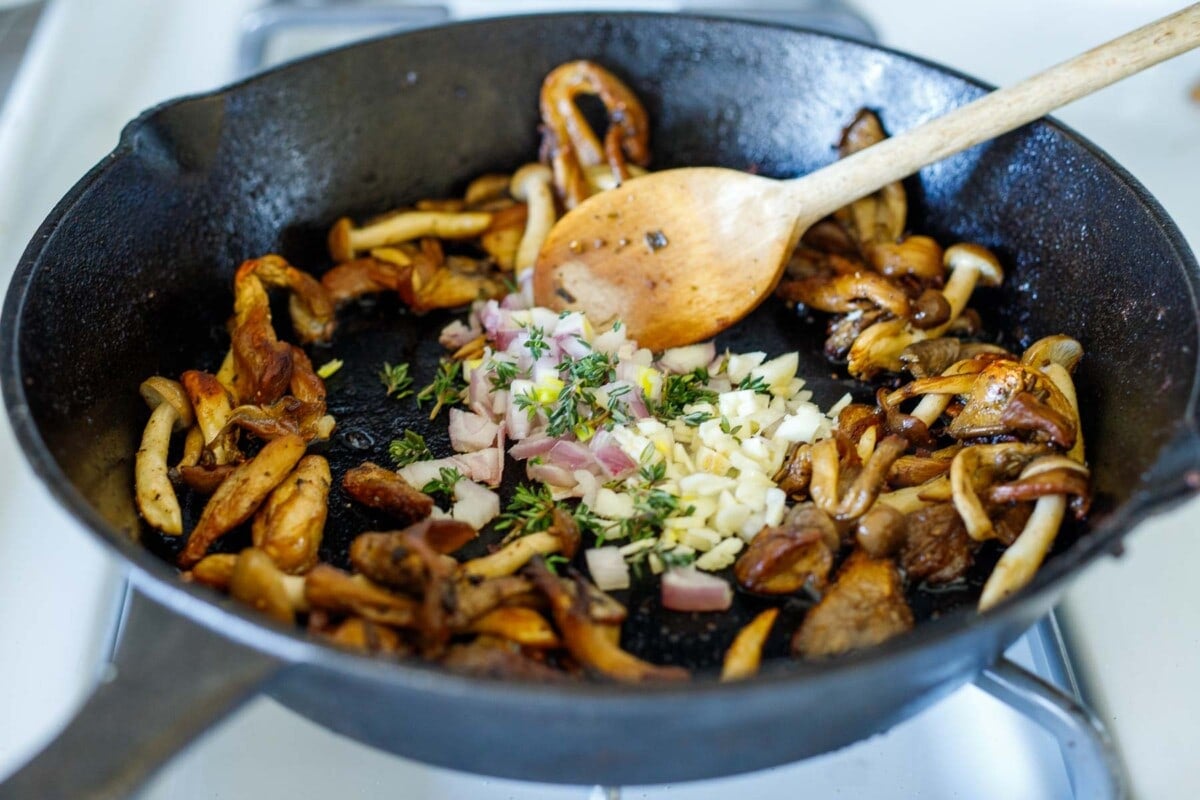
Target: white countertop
1135	622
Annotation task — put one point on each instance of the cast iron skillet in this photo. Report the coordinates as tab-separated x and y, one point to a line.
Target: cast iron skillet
130	276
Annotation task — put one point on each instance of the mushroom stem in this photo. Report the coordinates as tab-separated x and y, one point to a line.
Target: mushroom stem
155	494
982	463
210	399
914	498
1062	379
346	241
513	555
1021	560
969	264
531	184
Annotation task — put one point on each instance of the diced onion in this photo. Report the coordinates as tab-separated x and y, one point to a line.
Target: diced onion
607	568
688	589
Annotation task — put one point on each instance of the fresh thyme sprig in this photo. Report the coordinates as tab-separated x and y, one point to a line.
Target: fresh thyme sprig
536	344
446	389
408	449
680	391
757	383
503	373
396	380
443	485
532	510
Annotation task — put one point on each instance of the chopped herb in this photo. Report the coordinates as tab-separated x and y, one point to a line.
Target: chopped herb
396	379
443	484
527	402
755	383
593	370
680	391
653	473
616	326
564	416
532	509
651	508
728	427
446	389
695	418
327	370
408	449
670	558
536	344
555	563
503	374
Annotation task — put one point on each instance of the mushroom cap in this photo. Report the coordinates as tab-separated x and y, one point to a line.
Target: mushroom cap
527	175
340	248
1059	349
157	390
966	254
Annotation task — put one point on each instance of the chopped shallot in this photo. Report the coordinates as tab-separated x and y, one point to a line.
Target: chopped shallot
687	589
607	567
470	432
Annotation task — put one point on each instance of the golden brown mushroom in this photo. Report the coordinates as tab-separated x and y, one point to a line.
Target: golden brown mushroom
521	625
258	583
744	656
878	218
289	525
210	400
978	466
502	239
865	606
240	495
364	636
213	570
346	241
569	143
561	537
592	643
382	489
331	589
858	497
786	558
385	557
919	257
1021	560
531	184
879	347
170	411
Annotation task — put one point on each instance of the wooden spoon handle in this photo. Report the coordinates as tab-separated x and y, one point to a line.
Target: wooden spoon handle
993	114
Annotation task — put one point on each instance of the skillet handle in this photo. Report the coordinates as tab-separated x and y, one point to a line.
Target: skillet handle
169	681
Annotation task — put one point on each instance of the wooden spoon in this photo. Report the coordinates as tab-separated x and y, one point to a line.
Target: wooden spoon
682	254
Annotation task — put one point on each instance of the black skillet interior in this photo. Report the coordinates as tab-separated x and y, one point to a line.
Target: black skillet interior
136	278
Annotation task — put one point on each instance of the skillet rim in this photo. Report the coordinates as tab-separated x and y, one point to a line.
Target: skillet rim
160	580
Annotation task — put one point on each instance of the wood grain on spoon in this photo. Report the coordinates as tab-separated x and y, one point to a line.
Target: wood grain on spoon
682	254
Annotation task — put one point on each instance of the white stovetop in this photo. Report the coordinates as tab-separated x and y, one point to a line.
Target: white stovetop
94	65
